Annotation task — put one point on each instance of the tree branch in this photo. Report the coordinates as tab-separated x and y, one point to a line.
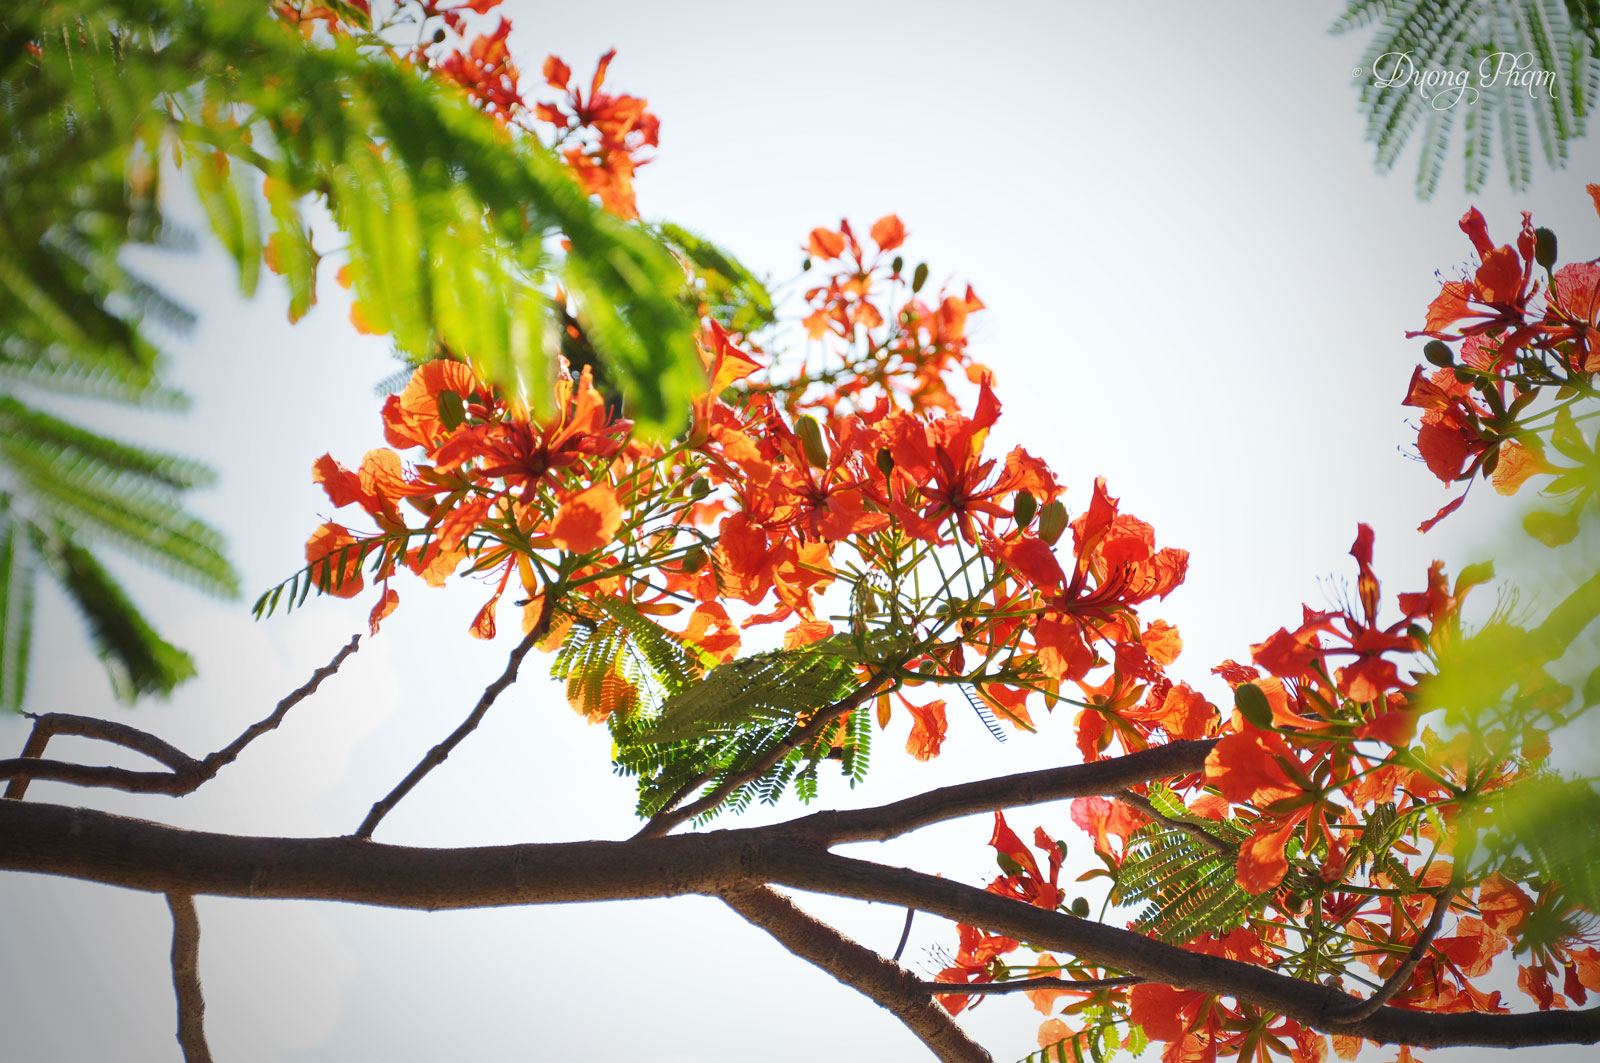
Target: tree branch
1097	944
1193	830
1402	974
889	985
1008	791
136	854
436	756
1026	985
187	774
186	978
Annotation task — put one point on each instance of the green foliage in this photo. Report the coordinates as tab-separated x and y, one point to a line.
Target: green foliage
737	299
1555	824
1094	1044
1470	36
450	224
703	731
1187	887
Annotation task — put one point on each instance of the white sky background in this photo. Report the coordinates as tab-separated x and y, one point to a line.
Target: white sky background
1197	287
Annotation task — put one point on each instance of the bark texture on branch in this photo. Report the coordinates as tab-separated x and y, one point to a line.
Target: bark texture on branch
1095	943
1008	791
186	979
886	983
137	854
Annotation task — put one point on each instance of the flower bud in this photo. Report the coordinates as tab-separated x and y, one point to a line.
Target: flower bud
1080	907
919	277
1544	248
1052	522
1253	705
694	559
1439	354
897	265
699	487
885	461
1024	508
810	433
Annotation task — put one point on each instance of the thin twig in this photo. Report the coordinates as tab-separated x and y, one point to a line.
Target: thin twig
1193	830
1402	974
885	982
187	774
186	978
436	756
1027	985
663	821
905	935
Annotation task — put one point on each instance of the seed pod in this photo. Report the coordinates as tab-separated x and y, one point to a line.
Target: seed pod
810	433
699	487
1544	248
1052	522
694	559
919	277
452	411
1439	353
885	461
1024	507
1253	705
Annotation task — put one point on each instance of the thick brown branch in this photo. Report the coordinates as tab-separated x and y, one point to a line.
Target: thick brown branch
1007	791
136	854
1098	944
436	756
662	822
1402	974
186	978
1026	985
187	774
889	985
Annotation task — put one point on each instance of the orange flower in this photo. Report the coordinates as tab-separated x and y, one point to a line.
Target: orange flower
588	520
928	730
340	572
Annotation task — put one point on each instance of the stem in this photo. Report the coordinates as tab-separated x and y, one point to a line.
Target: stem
186	978
436	756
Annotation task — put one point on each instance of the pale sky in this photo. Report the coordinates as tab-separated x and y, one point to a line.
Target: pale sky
1196	286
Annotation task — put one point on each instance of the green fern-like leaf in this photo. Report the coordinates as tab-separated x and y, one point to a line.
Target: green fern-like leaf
1468	38
1187	887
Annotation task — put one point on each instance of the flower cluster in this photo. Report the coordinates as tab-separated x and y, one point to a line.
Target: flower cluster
1519	337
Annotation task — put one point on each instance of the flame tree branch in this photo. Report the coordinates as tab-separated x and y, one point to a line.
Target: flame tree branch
436	756
889	985
136	854
186	978
186	774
